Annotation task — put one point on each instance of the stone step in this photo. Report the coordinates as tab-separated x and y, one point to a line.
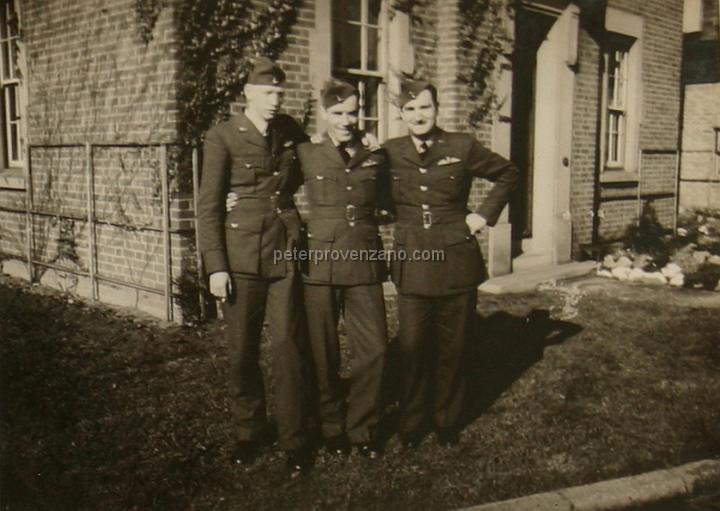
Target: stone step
520	282
530	261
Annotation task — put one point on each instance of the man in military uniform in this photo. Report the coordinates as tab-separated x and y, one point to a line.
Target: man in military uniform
344	174
431	175
254	155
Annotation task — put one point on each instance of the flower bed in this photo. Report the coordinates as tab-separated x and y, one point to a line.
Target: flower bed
690	258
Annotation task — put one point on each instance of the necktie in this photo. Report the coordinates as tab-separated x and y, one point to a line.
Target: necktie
344	153
422	149
268	138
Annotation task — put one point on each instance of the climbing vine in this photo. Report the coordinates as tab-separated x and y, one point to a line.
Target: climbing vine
484	37
217	41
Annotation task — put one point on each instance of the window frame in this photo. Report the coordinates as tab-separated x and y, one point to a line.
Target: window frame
12	166
362	75
623	35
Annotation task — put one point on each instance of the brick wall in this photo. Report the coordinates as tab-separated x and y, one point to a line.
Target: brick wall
91	79
659	125
585	139
700	172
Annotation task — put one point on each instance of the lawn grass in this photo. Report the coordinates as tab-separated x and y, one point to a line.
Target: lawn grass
101	410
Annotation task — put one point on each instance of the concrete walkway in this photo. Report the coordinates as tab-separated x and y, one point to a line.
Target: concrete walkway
624	493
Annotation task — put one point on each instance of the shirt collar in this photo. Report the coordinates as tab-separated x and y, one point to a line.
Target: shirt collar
417	141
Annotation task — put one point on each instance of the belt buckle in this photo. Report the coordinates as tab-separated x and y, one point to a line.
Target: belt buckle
274	199
427	219
350	214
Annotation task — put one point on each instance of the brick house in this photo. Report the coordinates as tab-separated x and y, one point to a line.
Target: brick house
588	106
700	163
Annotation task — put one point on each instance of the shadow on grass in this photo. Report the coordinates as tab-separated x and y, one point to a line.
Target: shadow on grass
500	349
503	347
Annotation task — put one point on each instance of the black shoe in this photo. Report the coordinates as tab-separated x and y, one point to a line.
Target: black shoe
412	439
298	463
448	437
245	452
337	445
369	450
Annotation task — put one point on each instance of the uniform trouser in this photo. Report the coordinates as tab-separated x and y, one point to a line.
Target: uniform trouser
432	336
244	314
364	312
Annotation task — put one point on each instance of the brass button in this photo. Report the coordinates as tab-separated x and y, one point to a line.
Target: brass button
276	173
234	225
348	188
277	192
347	171
422	170
425	207
423	188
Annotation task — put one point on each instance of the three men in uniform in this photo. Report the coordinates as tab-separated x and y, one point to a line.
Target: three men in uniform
347	179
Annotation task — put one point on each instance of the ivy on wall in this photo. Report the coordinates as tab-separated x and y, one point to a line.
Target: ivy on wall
217	41
484	37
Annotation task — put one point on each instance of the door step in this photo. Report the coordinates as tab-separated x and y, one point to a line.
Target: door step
521	282
530	261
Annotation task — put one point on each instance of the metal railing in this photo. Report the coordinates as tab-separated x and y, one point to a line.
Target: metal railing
90	218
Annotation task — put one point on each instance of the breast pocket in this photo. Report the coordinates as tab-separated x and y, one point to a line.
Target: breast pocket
322	189
450	184
243	175
365	189
398	186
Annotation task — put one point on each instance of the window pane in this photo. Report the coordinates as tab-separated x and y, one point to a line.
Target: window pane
346	10
369	126
13	21
3	21
14	152
5	55
14	71
346	45
373	11
12	102
369	99
372	57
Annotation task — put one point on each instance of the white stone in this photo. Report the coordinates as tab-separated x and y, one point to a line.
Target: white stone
624	262
636	274
654	278
678	280
701	256
604	273
714	259
621	272
670	270
609	262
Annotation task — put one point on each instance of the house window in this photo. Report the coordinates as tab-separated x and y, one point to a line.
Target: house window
616	58
621	83
358	56
12	85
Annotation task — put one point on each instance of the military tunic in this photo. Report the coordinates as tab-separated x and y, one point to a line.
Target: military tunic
343	197
264	174
436	298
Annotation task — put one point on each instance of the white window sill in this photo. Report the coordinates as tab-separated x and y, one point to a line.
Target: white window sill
12	179
618	176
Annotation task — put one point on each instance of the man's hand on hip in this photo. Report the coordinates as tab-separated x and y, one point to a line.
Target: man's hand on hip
475	222
220	285
231	201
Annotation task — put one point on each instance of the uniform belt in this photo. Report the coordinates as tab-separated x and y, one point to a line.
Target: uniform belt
270	203
350	213
427	216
